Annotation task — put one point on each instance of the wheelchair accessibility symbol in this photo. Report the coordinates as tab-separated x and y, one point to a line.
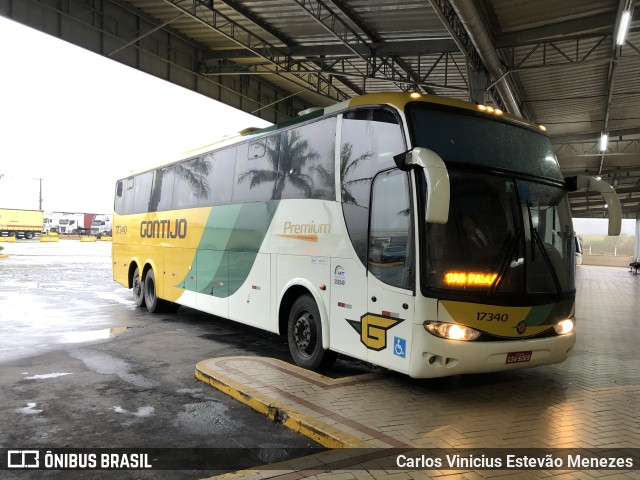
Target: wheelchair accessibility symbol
400	347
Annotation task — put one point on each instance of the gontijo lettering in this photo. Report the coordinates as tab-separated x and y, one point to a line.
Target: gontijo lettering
163	228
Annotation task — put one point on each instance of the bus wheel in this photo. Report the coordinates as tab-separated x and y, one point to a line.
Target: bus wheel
304	334
154	304
138	289
28	235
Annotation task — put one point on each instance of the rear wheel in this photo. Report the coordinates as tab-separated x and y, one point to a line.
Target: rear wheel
304	334
138	288
154	304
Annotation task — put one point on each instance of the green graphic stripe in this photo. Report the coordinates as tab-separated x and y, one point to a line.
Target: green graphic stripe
549	314
229	246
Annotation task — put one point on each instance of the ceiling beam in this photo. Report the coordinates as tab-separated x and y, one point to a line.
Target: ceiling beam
581	137
402	48
390	67
205	13
585	26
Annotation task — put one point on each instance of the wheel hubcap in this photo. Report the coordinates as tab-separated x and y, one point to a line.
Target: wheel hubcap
302	332
137	287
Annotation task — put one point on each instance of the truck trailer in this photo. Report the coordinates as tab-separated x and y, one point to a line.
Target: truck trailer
20	223
76	224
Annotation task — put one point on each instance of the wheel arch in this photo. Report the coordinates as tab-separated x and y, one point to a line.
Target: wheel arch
294	289
143	267
132	268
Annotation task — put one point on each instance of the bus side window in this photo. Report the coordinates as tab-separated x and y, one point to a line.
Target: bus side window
257	178
118	205
128	196
220	177
370	139
142	192
307	160
390	245
190	182
162	189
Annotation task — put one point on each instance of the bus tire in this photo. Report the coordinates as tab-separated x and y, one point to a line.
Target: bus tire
154	304
138	288
28	235
304	335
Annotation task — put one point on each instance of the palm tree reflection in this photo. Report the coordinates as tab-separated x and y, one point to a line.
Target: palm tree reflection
288	160
347	166
194	173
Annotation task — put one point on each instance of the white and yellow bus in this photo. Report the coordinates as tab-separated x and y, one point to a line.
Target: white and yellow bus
426	235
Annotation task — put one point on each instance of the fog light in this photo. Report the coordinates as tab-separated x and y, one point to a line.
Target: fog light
564	327
451	331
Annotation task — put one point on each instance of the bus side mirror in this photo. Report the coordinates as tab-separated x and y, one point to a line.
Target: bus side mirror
585	182
437	179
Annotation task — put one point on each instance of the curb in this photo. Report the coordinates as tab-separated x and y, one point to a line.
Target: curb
322	433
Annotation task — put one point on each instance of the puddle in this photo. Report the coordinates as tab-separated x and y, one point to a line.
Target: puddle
105	364
30	409
47	375
206	418
142	412
91	335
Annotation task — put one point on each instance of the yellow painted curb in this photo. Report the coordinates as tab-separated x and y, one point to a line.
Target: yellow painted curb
3	255
322	433
8	239
47	238
88	239
105	239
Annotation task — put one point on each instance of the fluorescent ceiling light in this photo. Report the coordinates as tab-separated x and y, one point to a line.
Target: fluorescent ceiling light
623	27
604	140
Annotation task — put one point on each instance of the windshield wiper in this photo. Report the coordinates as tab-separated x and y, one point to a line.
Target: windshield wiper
536	240
510	249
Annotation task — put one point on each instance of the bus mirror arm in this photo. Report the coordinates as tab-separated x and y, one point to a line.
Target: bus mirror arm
614	209
437	178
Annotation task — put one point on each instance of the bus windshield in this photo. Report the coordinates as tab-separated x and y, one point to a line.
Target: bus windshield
509	236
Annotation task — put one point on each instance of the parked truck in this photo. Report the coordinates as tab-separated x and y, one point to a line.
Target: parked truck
20	223
101	226
76	224
52	221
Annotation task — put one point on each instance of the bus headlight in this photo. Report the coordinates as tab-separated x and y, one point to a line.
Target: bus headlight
451	331
564	327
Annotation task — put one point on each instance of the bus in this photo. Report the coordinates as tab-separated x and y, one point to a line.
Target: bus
349	231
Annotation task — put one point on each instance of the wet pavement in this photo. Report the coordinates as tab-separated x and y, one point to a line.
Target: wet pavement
82	367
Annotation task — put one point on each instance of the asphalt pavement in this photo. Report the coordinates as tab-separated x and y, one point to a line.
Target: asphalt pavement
82	367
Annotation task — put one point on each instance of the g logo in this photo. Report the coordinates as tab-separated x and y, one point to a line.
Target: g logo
373	330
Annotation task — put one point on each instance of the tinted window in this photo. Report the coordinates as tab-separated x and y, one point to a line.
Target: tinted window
390	245
461	137
128	195
307	161
220	177
257	177
191	182
118	205
162	189
142	192
370	139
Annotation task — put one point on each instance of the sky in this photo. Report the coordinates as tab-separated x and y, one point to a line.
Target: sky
80	121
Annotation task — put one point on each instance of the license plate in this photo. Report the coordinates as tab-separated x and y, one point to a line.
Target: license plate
518	357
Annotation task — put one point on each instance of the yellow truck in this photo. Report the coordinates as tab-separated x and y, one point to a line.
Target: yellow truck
20	223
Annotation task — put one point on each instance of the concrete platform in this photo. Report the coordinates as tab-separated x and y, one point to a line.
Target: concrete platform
588	402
